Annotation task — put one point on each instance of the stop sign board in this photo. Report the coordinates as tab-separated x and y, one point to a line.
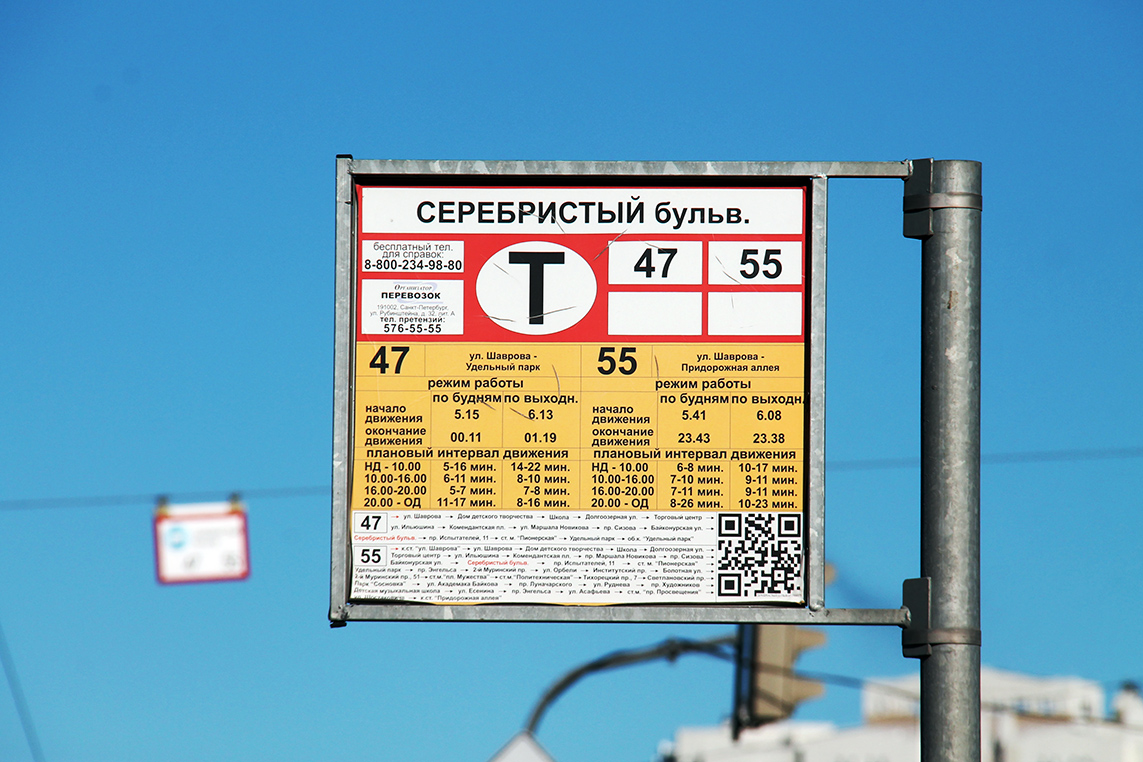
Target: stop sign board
576	390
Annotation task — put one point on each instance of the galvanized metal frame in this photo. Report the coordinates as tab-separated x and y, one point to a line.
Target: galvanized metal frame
342	379
815	593
341	610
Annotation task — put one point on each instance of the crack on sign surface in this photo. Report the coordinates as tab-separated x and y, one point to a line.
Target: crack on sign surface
608	245
552	312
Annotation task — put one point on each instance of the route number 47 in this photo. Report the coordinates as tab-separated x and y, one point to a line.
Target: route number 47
382	364
644	264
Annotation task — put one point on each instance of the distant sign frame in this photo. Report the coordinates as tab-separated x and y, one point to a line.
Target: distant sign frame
812	176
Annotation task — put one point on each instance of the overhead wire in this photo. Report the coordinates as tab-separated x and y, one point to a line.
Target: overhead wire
19	700
117	501
999	458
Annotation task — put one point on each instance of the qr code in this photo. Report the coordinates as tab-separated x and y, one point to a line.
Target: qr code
760	554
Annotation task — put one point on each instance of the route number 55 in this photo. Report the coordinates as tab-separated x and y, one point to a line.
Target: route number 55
608	364
751	268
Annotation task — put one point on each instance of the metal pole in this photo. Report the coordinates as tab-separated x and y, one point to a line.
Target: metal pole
942	208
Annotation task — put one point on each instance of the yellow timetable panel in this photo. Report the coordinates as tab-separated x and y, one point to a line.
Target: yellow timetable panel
667	436
462	443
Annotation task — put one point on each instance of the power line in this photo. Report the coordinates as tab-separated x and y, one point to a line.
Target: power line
872	464
94	501
18	698
999	458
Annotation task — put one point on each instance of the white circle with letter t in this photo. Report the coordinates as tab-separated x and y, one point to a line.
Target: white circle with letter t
536	287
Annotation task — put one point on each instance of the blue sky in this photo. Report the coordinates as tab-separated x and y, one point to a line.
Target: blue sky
166	261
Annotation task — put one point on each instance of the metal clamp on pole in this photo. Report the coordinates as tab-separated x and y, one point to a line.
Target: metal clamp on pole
918	637
918	207
942	201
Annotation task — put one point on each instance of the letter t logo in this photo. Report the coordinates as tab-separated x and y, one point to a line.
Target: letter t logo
536	261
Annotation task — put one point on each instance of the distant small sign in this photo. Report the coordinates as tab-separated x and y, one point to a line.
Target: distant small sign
201	542
522	748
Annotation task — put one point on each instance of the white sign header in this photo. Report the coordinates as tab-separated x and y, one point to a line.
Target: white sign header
764	211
